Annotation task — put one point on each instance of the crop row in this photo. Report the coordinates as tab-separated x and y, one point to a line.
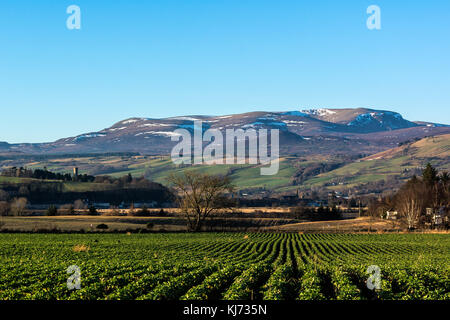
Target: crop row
224	266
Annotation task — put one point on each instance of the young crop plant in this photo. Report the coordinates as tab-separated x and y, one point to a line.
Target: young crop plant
214	284
281	284
246	286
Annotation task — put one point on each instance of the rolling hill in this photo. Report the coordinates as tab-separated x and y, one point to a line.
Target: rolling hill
400	162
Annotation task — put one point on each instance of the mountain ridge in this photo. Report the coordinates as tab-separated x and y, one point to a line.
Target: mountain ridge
323	131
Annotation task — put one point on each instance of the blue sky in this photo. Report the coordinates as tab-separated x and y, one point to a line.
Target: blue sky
167	58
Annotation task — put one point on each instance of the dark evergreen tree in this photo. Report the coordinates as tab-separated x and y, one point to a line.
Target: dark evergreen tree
430	175
52	211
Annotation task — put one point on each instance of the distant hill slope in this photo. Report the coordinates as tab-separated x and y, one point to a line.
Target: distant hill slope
382	171
307	132
401	162
428	148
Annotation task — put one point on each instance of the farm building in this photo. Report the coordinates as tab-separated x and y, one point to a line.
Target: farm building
391	215
438	217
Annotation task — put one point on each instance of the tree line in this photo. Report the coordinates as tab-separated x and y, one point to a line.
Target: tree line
44	174
431	190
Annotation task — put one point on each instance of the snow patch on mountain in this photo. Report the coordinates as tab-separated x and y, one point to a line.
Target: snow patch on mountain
252	125
267	117
129	121
115	129
363	119
155	125
88	136
159	133
165	133
281	124
293	122
185	118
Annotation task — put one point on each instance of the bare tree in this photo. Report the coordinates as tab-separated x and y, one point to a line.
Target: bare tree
79	205
4	208
67	209
200	196
411	201
18	206
445	182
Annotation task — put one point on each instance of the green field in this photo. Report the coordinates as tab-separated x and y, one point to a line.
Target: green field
242	176
229	266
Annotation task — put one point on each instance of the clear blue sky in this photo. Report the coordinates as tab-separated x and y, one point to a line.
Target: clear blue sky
164	58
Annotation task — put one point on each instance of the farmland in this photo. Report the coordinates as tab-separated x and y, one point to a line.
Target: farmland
230	266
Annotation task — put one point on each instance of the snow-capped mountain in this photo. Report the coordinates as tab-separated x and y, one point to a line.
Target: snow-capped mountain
366	120
319	131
